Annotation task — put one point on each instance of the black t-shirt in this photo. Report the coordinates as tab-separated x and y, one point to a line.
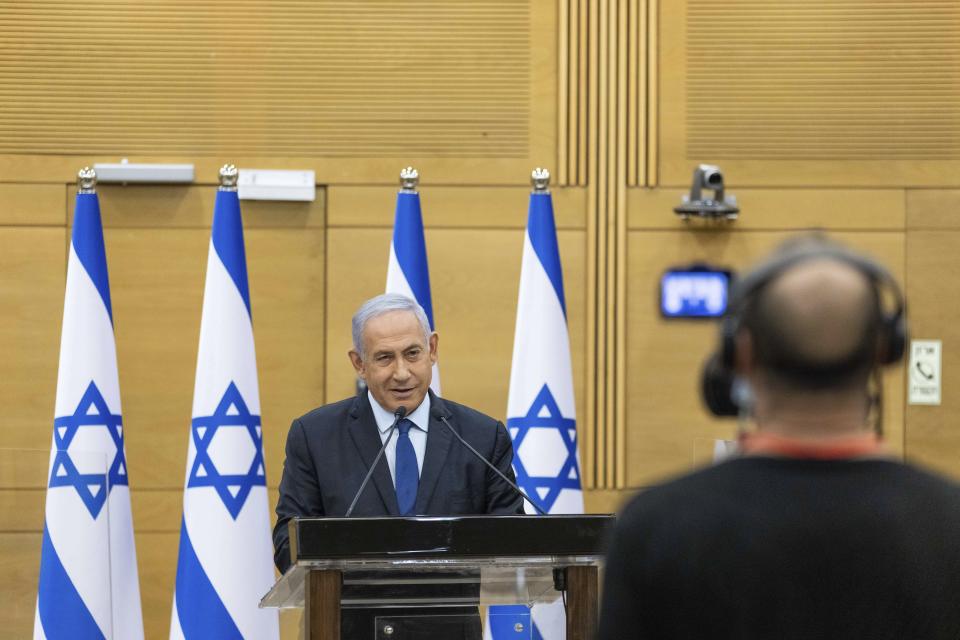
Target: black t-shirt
785	548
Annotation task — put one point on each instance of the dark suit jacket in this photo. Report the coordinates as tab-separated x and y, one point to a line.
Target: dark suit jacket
330	449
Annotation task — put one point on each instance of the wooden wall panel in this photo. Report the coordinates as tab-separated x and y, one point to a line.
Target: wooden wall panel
931	255
23	482
474	280
665	417
933	209
605	500
846	93
447	207
191	207
465	87
20	568
22	497
23	479
934	299
157	567
156	285
32	204
32	277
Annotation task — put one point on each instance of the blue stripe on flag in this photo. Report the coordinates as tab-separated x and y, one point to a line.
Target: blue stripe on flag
63	613
228	241
411	249
543	237
199	607
88	245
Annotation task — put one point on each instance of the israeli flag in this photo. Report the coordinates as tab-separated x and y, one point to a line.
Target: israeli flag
541	416
407	270
226	553
88	562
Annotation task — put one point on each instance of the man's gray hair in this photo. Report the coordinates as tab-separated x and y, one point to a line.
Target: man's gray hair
380	305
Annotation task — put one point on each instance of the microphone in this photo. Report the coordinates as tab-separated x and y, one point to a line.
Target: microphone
438	414
397	417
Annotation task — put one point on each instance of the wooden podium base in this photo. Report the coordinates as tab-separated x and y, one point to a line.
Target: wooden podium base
582	602
322	599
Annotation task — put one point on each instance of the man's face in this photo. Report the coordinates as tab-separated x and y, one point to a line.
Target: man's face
398	360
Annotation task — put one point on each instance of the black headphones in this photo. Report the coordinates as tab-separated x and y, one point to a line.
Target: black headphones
718	381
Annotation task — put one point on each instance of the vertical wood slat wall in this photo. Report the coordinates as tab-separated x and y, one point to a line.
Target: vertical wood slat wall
610	131
616	60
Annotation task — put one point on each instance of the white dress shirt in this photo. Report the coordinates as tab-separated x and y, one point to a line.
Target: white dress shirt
420	418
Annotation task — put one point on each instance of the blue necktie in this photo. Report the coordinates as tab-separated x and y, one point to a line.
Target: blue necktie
408	476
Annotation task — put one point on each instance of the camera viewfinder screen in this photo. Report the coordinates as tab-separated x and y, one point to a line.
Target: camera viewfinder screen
696	293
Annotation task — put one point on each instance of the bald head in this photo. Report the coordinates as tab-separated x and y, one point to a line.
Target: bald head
815	326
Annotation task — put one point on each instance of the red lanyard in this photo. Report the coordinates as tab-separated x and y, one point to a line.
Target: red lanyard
857	446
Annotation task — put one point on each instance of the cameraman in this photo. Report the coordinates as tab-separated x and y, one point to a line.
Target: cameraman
814	531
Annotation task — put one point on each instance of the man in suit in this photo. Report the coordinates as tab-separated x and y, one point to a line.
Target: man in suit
424	471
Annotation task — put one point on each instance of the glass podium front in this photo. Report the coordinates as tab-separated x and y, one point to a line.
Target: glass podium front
411	578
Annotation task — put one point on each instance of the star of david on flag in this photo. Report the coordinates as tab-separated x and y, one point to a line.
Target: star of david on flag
91	413
544	428
88	587
233	488
225	561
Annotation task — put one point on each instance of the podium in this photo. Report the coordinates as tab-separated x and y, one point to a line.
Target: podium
436	563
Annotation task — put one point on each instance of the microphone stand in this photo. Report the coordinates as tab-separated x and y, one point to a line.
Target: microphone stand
503	477
398	416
